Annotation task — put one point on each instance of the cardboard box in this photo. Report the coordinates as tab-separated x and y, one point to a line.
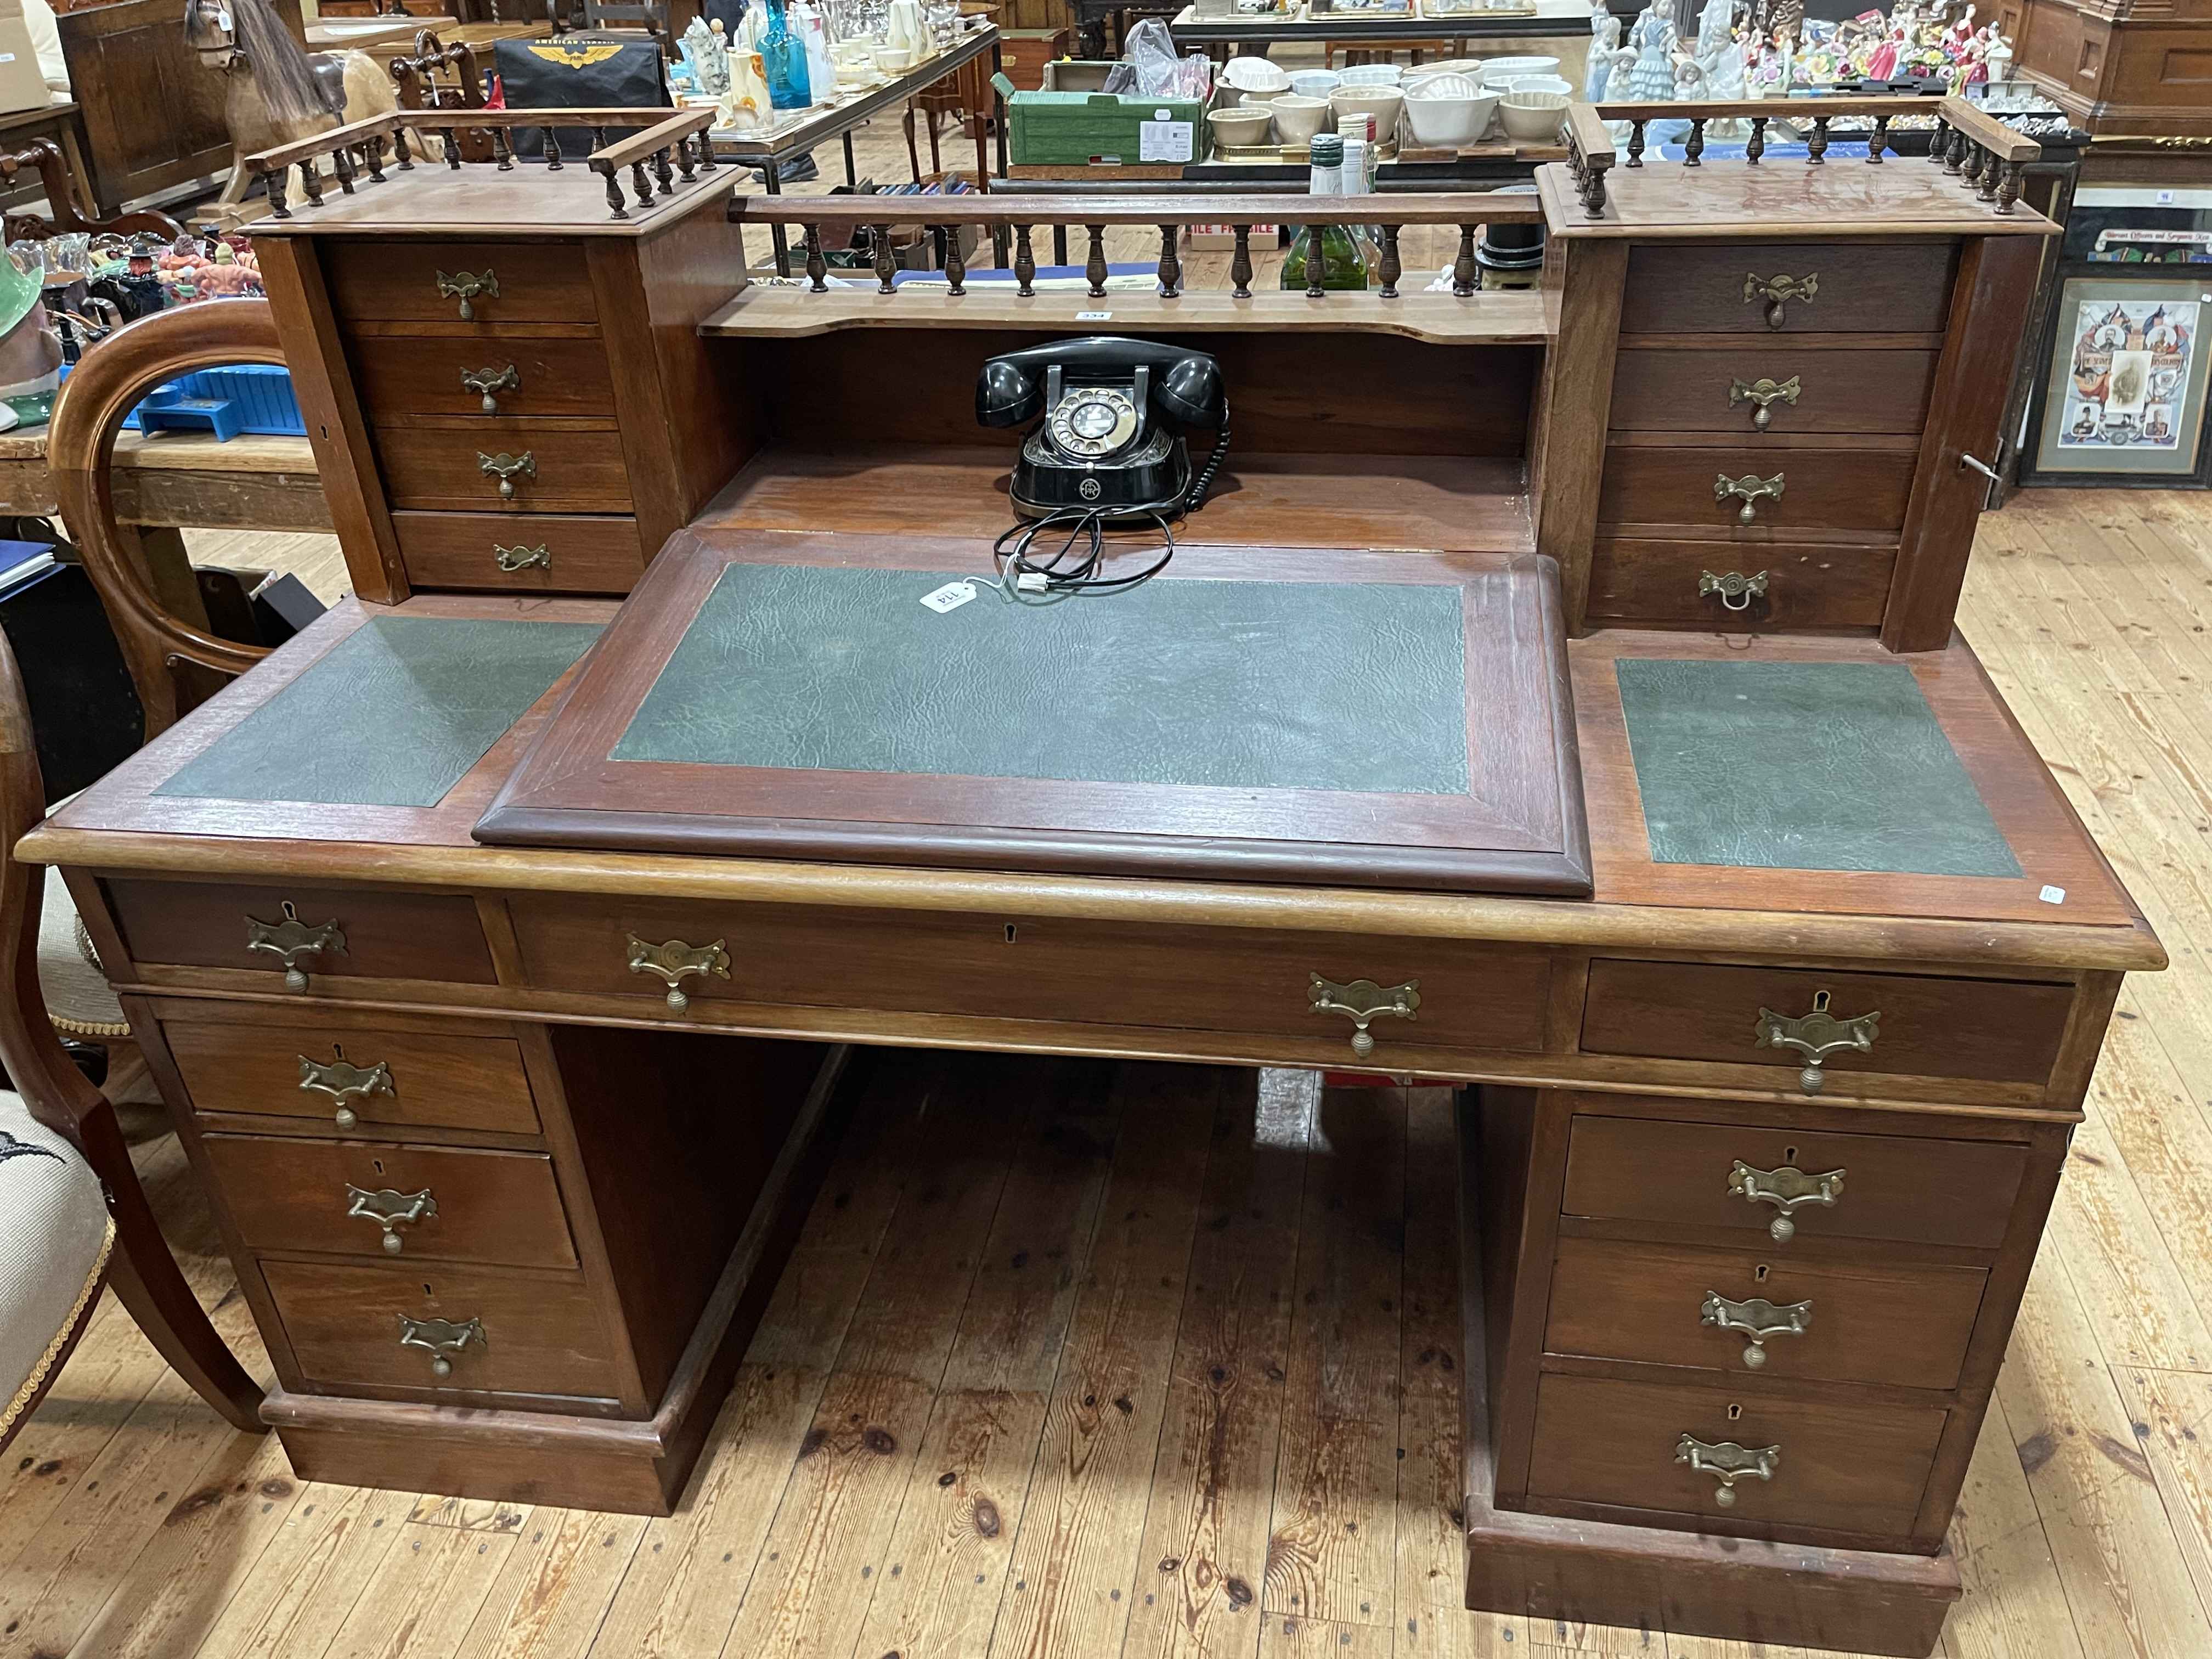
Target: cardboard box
22	84
1070	129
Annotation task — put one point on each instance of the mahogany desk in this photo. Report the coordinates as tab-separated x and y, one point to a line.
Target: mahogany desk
507	1140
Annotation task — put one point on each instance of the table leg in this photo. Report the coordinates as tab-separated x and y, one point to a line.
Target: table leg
80	175
775	231
852	176
1060	244
1001	238
912	155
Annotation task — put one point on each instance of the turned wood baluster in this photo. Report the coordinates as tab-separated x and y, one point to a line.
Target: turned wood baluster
2008	185
1879	140
1024	262
817	268
1240	264
683	157
1636	144
1094	267
374	150
342	164
1955	151
552	146
1391	268
452	148
1315	268
501	151
706	154
1755	146
640	185
275	181
400	158
1970	175
1939	145
886	262
1465	272
313	182
615	196
1986	186
1693	145
1816	144
663	172
598	138
956	268
1170	266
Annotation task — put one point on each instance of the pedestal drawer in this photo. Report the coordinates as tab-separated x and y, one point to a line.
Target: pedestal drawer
1833	1320
1894	1187
365	1198
1798	288
1831	487
507	552
2002	1030
1797	388
564	470
391	279
379	1079
522	375
349	930
1028	968
1640	582
1858	1468
497	1333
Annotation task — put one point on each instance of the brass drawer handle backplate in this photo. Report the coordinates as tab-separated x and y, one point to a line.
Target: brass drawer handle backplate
672	961
489	383
510	559
390	1210
440	1338
1361	1002
292	941
506	468
1735	589
343	1080
1750	490
1763	393
1785	1188
1777	289
1728	1462
1816	1035
1758	1319
466	286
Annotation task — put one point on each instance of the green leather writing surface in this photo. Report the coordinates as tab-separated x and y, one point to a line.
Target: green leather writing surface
1801	766
1250	684
393	715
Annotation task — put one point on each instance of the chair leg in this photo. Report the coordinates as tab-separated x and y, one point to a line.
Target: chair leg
148	1283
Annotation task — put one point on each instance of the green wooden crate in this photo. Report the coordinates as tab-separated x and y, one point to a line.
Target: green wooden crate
1073	129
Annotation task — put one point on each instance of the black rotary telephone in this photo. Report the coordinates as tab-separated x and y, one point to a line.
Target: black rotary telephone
1110	441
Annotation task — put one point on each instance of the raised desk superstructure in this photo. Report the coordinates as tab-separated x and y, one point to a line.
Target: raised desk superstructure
507	1141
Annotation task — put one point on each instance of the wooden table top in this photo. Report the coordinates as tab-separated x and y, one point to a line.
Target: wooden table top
251	483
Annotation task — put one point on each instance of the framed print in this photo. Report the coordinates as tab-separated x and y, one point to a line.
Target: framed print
2125	393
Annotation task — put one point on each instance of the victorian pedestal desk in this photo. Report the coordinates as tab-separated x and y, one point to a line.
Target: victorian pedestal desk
1557	696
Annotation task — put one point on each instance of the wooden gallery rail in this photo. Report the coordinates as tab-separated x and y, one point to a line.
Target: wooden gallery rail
1169	214
1985	156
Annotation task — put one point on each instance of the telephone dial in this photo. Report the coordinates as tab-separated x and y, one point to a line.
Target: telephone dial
1109	417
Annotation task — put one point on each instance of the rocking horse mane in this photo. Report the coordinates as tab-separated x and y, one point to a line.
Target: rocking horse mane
279	64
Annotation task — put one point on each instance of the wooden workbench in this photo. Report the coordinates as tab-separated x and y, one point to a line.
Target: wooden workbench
183	480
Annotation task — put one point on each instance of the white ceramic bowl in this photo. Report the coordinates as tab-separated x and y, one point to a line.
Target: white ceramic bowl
1240	128
1298	118
1314	83
1385	104
1532	118
1439	84
1496	71
1371	75
1536	84
1449	120
1256	75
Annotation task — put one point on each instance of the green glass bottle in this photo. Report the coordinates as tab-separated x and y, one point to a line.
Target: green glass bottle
1342	264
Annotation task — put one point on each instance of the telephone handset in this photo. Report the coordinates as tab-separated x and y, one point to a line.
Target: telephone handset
1110	442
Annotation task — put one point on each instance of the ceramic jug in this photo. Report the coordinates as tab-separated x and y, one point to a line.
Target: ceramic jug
906	33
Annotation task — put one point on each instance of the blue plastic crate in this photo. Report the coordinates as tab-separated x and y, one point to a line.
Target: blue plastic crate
245	397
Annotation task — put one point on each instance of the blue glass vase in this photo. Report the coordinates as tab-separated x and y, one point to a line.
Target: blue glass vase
783	60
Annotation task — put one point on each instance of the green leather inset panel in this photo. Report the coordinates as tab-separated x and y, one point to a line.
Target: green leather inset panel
1802	766
1248	684
394	715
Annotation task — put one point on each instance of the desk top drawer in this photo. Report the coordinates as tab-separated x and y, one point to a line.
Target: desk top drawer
494	1333
1637	582
1832	1321
303	930
2000	1030
396	281
1789	288
354	1078
1763	386
1857	1469
507	552
467	465
1888	1187
1025	968
521	376
364	1198
1794	491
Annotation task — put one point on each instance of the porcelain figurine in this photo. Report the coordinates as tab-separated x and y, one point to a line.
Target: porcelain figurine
708	57
1605	41
1652	79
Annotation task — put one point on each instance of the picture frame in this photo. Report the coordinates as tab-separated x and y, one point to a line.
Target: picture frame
2124	392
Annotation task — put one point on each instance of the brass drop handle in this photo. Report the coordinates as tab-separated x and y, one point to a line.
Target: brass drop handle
510	559
1762	394
506	468
292	941
343	1080
672	961
440	1338
489	383
1362	1001
1735	589
1750	490
1787	1189
468	287
1727	1462
1816	1035
390	1210
1758	1319
1775	290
